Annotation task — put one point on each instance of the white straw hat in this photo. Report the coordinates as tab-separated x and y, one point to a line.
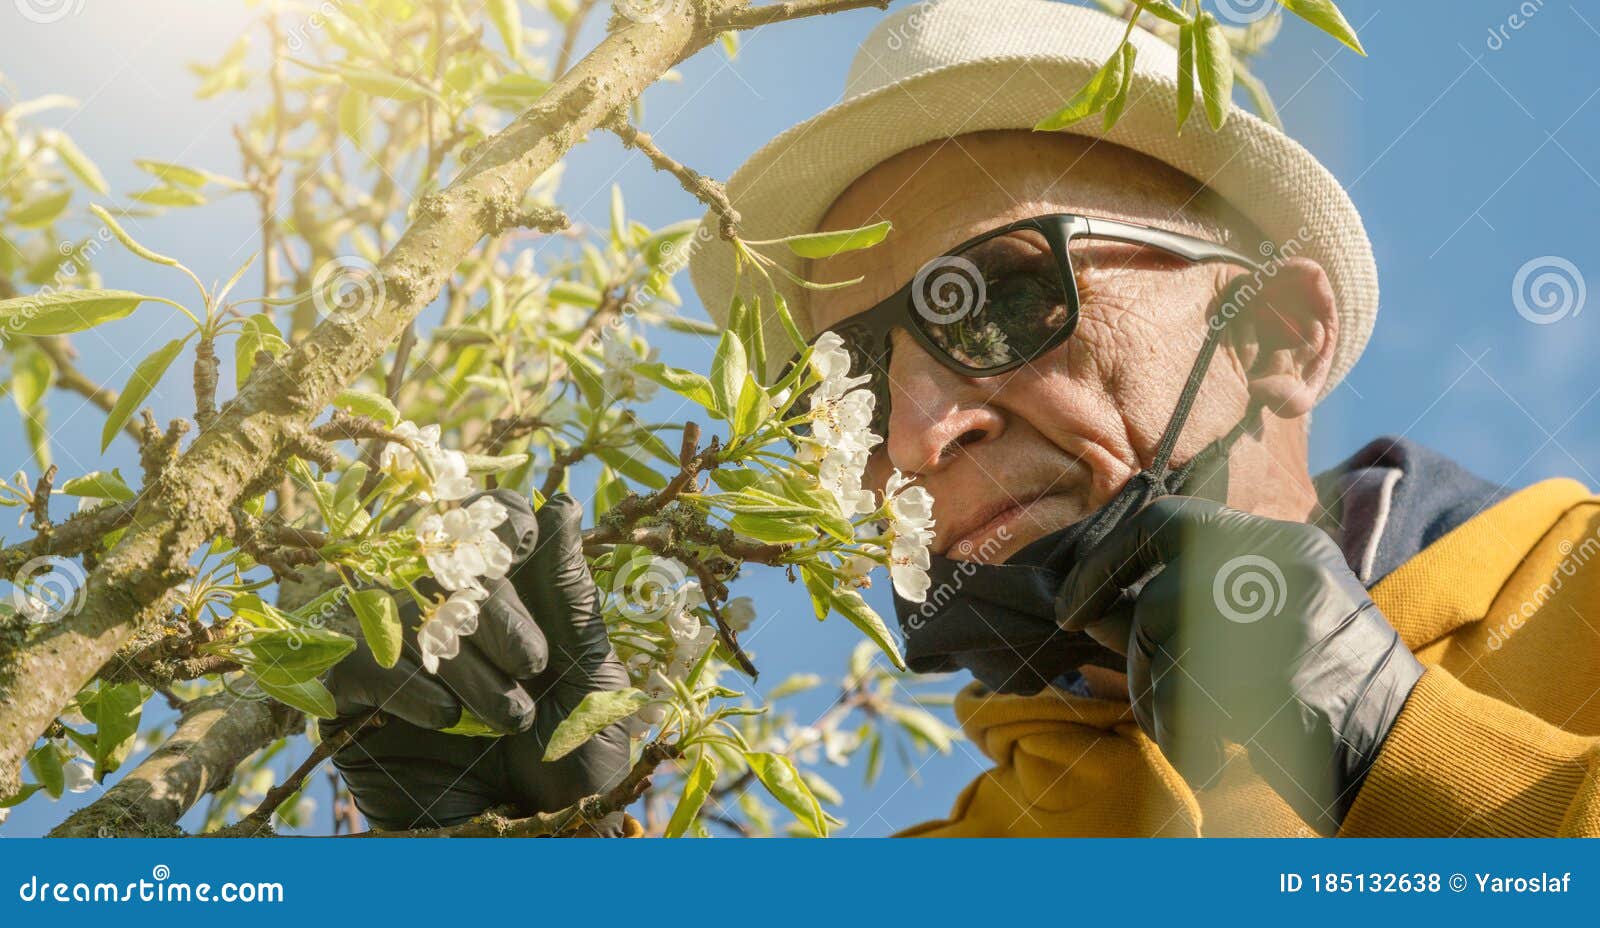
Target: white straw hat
949	67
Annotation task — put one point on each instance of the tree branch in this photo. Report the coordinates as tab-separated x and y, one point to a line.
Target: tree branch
703	188
237	456
749	17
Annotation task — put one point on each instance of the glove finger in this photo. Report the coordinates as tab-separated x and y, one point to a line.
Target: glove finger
508	636
1149	539
486	690
556	584
359	685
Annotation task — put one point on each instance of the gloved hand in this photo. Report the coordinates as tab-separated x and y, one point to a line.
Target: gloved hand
1251	630
539	648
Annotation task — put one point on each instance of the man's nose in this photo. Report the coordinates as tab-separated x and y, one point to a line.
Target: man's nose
934	412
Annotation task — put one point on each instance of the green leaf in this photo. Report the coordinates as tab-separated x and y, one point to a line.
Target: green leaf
622	461
798	683
63	312
382	84
140	383
778	775
922	724
753	408
309	696
495	464
597	711
828	244
574	293
380	624
472	726
1120	99
507	18
1214	64
849	604
79	163
728	370
127	240
1091	98
687	384
99	484
257	334
773	531
115	709
172	173
290	655
1325	15
371	405
31	375
169	196
45	762
20	796
696	787
41	210
1185	73
1160	9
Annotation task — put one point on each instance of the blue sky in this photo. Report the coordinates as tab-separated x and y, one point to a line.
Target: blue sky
1466	142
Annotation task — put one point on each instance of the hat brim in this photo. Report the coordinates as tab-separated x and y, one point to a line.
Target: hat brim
787	187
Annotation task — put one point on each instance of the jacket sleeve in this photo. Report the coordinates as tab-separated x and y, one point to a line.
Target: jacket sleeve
1460	763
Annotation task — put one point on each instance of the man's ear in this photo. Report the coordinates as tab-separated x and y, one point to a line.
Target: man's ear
1290	327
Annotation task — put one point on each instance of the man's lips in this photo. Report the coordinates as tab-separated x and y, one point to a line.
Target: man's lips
1006	526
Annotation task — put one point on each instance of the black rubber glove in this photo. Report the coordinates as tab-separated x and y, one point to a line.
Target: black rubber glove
1249	630
540	647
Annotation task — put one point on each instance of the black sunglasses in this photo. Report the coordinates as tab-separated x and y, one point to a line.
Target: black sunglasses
997	301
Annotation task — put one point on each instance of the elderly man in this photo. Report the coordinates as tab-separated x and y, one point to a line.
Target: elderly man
1099	352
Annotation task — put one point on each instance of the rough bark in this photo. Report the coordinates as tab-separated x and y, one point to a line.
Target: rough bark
214	736
237	455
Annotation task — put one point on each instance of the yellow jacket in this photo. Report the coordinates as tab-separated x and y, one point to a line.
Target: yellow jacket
1501	736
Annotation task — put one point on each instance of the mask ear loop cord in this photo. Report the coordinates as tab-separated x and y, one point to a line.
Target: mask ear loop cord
1160	478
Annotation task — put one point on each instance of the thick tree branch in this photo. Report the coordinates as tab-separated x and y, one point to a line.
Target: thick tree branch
746	16
239	452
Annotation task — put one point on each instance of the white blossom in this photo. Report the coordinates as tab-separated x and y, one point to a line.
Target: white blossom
440	636
440	473
461	546
739	613
77	776
618	378
910	533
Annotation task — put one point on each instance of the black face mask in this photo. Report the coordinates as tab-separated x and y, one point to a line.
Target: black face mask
999	620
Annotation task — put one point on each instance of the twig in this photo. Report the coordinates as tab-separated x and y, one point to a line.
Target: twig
259	821
569	38
703	188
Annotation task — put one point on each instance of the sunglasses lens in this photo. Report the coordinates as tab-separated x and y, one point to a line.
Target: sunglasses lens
996	303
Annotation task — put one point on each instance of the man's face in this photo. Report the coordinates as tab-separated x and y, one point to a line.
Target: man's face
1011	458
